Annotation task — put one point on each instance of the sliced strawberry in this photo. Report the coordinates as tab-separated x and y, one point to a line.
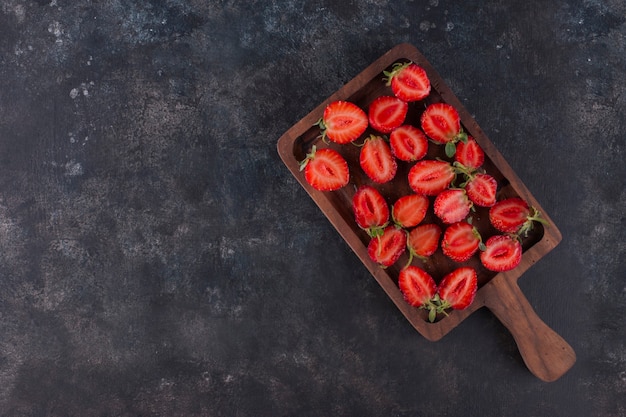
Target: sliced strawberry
502	253
460	241
377	161
343	122
469	154
418	288
441	123
325	169
452	205
371	210
430	176
409	210
408	143
408	81
387	113
513	215
458	289
387	248
481	190
509	215
423	240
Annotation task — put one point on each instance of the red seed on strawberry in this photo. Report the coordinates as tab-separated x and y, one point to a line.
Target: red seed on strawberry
502	253
371	210
430	176
325	169
408	143
387	248
377	161
408	81
409	210
343	122
460	241
452	205
387	113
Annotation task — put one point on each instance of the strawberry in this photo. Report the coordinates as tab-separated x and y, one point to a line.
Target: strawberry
387	113
371	211
409	210
430	176
457	289
423	240
418	289
408	143
513	215
387	248
502	253
469	154
377	161
408	81
325	169
442	124
417	285
460	241
452	205
481	190
342	122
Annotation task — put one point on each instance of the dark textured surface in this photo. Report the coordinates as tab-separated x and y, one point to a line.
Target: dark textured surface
156	257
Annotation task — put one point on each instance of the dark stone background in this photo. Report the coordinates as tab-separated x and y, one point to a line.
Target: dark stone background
157	258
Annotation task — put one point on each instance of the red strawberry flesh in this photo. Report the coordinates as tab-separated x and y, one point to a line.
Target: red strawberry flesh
417	286
387	248
325	169
409	210
343	122
457	289
371	210
408	143
502	253
430	177
386	113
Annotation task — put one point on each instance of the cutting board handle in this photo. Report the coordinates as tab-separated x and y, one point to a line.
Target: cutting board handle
546	354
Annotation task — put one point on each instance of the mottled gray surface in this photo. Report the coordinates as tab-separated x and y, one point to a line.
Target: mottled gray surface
156	257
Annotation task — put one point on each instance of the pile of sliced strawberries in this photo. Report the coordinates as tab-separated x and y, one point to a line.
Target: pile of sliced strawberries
453	187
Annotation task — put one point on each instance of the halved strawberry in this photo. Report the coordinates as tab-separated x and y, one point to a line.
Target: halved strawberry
408	143
513	215
430	176
452	205
441	123
470	154
481	189
325	169
408	81
460	241
377	161
343	122
423	240
371	210
418	288
387	248
502	253
457	289
387	113
409	210
417	285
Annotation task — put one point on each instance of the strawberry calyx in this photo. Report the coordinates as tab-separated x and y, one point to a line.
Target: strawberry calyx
395	70
535	216
450	147
323	130
308	157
